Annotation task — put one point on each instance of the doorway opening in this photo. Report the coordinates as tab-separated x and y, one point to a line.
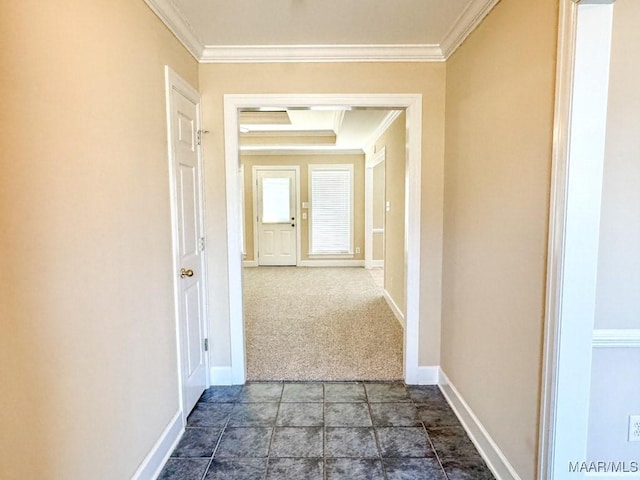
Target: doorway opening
239	239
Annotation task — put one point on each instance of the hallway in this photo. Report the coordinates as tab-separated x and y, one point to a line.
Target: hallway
324	431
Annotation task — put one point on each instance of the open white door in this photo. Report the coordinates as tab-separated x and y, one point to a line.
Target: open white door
276	217
188	226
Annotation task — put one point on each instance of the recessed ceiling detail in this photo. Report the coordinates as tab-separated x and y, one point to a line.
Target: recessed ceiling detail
224	31
329	130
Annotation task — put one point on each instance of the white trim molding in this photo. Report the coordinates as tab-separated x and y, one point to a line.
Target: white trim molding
155	460
616	338
297	150
249	263
222	376
412	103
331	263
427	376
380	129
371	162
487	447
394	308
320	53
176	22
466	23
584	44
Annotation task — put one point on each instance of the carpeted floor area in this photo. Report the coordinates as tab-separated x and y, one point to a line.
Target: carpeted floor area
319	324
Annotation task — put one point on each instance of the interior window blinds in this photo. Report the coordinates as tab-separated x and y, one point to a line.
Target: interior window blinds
331	209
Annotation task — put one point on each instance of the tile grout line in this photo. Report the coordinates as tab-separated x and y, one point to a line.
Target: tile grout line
215	449
324	432
273	432
375	432
433	447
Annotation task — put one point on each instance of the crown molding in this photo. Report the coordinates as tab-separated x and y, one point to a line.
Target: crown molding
298	150
288	133
175	21
321	53
386	123
466	23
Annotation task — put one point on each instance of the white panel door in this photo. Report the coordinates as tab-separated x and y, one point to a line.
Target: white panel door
190	238
277	239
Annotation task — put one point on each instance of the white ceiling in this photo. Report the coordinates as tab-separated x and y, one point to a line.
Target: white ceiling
320	22
321	30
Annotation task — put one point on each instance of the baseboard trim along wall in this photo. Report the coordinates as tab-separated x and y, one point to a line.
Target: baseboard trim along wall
155	460
425	376
491	453
331	263
221	376
315	263
394	308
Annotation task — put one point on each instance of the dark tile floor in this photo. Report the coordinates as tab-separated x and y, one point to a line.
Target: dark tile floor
324	431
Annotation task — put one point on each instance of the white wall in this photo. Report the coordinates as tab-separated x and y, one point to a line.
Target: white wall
615	388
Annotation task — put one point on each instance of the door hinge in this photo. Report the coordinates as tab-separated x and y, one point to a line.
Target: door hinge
201	244
199	134
206	344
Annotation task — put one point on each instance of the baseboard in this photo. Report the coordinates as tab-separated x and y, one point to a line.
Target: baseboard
249	263
375	264
394	308
221	376
423	376
491	453
331	263
153	463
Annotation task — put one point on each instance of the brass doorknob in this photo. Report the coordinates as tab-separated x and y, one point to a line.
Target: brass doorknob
186	273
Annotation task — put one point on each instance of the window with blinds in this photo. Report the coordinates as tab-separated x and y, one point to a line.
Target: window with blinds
331	209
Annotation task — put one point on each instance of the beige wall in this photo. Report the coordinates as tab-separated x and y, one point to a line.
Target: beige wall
615	388
427	79
303	161
499	122
393	140
87	331
378	210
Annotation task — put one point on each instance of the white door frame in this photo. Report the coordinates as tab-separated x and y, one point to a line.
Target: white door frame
584	46
377	159
413	105
174	82
254	189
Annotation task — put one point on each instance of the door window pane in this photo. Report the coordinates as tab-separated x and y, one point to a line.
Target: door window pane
276	200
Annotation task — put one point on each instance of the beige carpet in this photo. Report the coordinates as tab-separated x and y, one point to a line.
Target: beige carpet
319	324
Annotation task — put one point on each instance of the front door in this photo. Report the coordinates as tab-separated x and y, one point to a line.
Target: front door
277	234
189	236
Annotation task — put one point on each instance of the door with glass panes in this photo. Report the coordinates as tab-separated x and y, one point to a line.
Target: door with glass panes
276	218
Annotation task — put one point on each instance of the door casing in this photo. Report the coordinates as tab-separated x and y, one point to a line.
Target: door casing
584	45
412	103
